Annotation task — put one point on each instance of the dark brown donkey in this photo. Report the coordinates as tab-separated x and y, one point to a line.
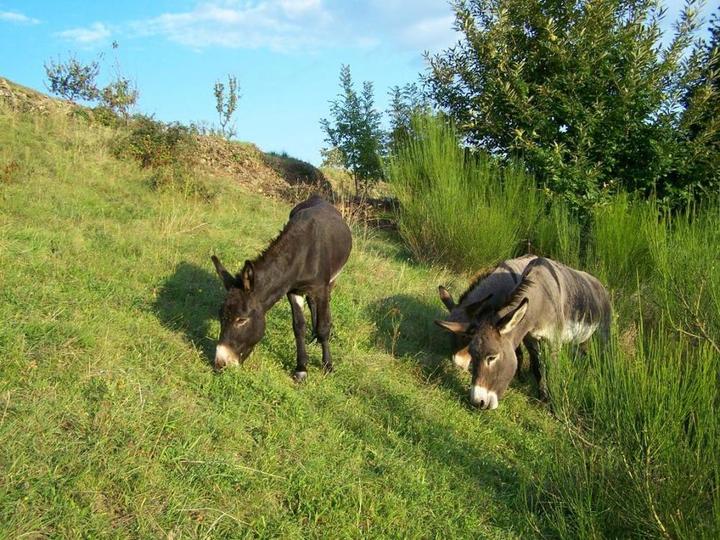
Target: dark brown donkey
489	289
303	260
552	302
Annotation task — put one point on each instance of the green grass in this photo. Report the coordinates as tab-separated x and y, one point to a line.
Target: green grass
114	424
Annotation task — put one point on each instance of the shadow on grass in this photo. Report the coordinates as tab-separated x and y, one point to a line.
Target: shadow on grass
405	329
188	300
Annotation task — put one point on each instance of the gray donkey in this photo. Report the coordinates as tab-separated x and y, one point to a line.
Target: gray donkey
552	302
489	289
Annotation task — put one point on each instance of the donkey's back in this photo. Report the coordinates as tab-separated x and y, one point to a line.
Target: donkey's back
568	305
319	239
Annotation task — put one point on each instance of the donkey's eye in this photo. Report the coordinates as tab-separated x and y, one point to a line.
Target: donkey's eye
240	321
490	359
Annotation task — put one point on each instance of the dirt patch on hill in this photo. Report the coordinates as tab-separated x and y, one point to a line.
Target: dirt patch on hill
27	100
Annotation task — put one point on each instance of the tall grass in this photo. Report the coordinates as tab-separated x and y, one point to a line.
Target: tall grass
459	208
642	456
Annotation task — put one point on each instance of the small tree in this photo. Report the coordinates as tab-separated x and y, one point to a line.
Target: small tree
72	79
355	131
120	95
226	105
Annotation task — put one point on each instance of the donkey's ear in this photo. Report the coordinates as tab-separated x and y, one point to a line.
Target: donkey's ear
511	320
454	327
474	308
247	276
227	278
446	298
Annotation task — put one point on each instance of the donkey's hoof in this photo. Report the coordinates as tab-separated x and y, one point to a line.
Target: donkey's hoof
543	395
299	376
328	368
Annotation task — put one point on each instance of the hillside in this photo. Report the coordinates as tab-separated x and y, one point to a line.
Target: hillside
114	424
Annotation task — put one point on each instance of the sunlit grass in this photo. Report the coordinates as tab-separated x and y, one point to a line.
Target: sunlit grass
114	424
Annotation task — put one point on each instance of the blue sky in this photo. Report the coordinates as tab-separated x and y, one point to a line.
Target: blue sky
286	53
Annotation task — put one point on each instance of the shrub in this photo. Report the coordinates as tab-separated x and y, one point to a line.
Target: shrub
181	179
620	240
459	208
156	144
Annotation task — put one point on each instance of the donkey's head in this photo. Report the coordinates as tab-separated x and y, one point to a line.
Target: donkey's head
242	319
492	354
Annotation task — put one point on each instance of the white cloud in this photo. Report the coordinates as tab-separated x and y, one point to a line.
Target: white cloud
292	25
17	18
275	24
91	35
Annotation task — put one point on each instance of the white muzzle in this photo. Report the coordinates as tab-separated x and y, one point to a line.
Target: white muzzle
483	398
225	357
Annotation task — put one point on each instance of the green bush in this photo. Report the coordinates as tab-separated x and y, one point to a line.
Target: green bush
458	208
181	179
620	240
557	234
646	452
156	144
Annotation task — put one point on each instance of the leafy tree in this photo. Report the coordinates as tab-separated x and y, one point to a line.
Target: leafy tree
700	124
72	79
226	105
355	131
405	102
581	89
332	158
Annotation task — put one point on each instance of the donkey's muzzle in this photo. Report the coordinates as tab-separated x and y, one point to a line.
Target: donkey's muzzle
225	357
483	398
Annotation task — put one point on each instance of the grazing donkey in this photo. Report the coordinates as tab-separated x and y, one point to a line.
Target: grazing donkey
552	302
303	260
490	289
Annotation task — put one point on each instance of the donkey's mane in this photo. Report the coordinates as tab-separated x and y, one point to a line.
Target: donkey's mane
277	243
520	291
477	278
526	283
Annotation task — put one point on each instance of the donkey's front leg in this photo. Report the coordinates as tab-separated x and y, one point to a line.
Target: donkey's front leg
533	347
322	328
296	303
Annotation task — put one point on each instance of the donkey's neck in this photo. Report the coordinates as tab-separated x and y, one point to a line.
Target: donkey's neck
274	277
523	328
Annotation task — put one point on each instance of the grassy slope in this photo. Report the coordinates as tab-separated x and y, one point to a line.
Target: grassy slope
114	424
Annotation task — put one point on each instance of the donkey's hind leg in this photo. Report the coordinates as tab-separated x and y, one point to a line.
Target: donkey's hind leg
296	303
323	325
